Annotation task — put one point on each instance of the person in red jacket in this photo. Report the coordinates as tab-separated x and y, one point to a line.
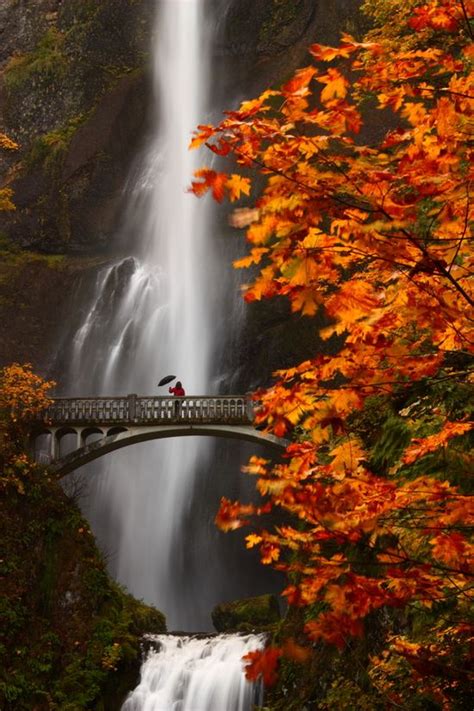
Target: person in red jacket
178	391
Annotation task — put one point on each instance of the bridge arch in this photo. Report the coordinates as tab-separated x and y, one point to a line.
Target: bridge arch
112	442
115	430
89	432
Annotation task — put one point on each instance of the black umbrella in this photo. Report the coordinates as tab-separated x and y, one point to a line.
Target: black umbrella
167	379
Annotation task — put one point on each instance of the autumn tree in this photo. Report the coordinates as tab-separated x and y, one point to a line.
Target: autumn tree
372	227
23	396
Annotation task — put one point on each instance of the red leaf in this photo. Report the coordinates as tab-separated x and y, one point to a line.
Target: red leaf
263	664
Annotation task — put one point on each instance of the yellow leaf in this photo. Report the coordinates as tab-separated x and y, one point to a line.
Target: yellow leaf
237	185
7	144
336	85
6	203
305	300
346	457
253	540
254	257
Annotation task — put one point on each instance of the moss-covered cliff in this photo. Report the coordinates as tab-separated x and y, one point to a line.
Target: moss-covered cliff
73	96
33	289
72	93
70	636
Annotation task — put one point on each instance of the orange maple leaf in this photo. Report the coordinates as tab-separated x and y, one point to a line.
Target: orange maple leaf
253	540
434	16
229	516
453	549
202	135
236	185
420	446
335	628
254	257
336	85
298	84
210	180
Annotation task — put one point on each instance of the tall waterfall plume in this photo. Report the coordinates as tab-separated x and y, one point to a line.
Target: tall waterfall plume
150	315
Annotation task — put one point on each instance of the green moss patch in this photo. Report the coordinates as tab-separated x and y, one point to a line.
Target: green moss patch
50	148
282	14
46	60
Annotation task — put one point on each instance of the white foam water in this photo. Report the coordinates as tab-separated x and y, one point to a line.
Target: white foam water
196	674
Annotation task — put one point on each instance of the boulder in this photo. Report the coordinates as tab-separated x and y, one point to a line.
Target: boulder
253	613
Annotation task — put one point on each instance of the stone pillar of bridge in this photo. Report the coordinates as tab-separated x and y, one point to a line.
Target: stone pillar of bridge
54	445
249	408
79	438
132	407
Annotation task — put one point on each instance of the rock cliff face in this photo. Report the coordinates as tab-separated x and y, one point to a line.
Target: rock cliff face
264	40
73	96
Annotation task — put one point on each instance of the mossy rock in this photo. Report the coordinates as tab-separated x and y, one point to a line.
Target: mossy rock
253	613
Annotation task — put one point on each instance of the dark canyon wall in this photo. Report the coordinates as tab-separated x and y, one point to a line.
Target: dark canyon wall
73	96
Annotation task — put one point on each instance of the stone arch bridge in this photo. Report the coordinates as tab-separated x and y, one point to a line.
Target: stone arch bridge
99	425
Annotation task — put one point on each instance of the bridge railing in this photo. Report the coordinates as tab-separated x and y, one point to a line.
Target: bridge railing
134	409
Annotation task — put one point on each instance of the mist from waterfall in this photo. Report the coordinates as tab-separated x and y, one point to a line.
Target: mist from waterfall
150	315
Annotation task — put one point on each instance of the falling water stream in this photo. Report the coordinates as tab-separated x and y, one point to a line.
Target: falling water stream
151	313
195	674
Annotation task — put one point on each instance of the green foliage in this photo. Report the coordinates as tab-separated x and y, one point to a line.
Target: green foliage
7	246
367	423
347	694
46	60
394	437
12	257
259	612
381	11
50	148
48	576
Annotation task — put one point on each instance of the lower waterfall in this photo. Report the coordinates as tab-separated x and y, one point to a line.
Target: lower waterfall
196	674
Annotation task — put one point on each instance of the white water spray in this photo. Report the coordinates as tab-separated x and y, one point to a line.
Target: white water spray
192	674
150	315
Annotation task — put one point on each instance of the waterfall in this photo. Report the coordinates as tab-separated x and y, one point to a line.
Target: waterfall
166	307
151	315
193	674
